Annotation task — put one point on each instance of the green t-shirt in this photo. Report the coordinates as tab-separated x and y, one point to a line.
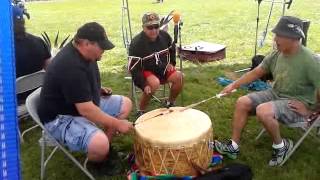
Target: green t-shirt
295	77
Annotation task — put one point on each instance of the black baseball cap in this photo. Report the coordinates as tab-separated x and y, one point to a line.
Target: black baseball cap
93	31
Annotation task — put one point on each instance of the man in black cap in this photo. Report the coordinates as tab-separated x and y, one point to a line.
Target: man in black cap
294	95
73	105
31	53
152	58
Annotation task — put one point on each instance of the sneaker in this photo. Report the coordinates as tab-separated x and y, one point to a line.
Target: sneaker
278	155
139	113
226	149
114	165
168	104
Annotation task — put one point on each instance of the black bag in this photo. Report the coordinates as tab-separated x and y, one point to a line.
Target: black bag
233	171
255	61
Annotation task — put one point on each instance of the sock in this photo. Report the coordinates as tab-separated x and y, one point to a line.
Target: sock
234	144
278	146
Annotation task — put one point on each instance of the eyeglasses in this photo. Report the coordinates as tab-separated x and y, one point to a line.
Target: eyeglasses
153	27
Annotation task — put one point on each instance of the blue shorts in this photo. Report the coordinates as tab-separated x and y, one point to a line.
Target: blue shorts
75	132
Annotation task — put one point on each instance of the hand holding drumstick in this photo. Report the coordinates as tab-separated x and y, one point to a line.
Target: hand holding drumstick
205	100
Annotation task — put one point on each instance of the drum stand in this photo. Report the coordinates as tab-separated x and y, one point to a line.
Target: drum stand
180	24
264	33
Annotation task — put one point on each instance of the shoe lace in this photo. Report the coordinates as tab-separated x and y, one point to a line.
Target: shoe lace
228	145
274	154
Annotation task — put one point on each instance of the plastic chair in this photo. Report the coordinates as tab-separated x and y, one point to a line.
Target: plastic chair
46	139
25	84
306	127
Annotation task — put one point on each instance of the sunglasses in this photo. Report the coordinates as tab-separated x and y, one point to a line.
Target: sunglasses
153	27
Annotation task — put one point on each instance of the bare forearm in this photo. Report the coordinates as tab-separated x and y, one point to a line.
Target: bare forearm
94	114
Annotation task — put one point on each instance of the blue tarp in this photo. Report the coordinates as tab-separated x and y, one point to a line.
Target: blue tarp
257	85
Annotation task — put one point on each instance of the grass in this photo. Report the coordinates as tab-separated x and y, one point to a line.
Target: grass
231	23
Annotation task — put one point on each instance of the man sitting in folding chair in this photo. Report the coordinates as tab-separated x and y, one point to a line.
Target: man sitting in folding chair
152	60
73	105
294	95
31	53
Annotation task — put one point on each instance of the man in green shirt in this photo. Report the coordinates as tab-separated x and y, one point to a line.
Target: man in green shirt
294	95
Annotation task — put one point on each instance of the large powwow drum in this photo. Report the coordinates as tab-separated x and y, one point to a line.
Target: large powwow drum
173	142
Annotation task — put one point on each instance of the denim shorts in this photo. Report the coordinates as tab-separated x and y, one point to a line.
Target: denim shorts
75	132
280	106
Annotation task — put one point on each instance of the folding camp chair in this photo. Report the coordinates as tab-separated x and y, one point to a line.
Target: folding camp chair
307	127
24	84
46	139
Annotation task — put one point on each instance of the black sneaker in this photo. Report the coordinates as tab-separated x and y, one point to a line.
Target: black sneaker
139	113
226	149
105	168
168	104
113	166
278	155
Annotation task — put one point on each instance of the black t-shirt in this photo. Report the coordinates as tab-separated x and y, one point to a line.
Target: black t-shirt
69	79
31	54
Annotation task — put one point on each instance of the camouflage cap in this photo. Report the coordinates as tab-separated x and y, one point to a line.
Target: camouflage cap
150	18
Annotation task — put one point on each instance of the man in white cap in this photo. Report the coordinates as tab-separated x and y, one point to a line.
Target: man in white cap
294	95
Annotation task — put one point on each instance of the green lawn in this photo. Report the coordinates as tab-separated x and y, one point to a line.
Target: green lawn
228	22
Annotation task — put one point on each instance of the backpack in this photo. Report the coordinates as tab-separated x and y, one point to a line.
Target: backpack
233	171
255	61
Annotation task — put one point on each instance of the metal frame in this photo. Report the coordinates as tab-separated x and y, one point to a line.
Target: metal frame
25	84
46	140
306	128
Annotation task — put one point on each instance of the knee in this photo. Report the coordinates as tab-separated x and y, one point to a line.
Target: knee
126	106
264	111
98	147
244	103
176	78
155	84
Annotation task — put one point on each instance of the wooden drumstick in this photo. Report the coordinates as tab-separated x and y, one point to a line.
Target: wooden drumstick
187	107
163	113
205	100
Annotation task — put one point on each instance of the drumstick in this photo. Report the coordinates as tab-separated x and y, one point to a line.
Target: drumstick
163	113
205	100
187	107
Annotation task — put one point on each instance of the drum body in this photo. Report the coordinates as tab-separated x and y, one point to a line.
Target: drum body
173	143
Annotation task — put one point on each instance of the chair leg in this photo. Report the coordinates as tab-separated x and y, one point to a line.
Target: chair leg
76	162
42	145
27	130
299	141
164	91
261	132
20	136
134	95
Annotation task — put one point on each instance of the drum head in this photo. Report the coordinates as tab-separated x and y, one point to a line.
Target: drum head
166	127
